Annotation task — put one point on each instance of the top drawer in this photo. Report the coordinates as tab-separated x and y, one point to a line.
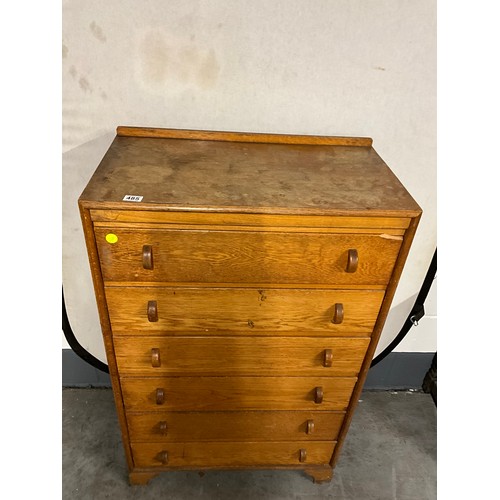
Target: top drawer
263	257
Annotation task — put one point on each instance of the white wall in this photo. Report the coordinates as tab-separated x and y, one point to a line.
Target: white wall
422	338
351	67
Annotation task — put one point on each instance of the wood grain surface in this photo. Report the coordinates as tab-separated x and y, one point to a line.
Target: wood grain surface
231	454
236	333
267	221
384	311
213	311
233	426
106	330
240	257
211	135
191	356
236	393
247	177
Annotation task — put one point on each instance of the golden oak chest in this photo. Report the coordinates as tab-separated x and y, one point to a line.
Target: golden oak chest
242	282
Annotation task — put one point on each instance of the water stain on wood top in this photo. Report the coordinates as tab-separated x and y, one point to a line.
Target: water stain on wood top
248	177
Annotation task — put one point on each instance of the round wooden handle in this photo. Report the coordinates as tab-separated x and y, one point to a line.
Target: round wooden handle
318	395
302	455
338	314
152	311
327	358
147	257
352	261
310	427
162	457
155	357
160	396
163	427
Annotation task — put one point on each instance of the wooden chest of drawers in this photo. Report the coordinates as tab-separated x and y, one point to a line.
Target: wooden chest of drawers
242	283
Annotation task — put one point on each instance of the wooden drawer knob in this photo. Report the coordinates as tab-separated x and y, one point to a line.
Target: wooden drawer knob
327	358
163	427
162	457
352	261
147	257
152	311
318	395
155	357
338	314
309	426
160	396
302	455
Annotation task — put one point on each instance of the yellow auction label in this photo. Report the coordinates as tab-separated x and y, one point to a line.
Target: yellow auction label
111	238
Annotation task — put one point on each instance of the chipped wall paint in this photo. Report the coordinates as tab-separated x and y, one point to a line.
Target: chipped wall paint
329	67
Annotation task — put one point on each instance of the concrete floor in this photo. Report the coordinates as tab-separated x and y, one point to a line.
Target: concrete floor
389	454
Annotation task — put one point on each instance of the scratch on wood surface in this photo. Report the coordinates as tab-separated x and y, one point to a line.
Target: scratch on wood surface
391	237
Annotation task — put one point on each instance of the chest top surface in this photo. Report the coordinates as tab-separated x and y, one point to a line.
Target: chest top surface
237	175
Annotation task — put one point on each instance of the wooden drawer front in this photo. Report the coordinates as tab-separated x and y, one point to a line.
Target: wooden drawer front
246	257
234	426
150	356
249	311
213	454
236	393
